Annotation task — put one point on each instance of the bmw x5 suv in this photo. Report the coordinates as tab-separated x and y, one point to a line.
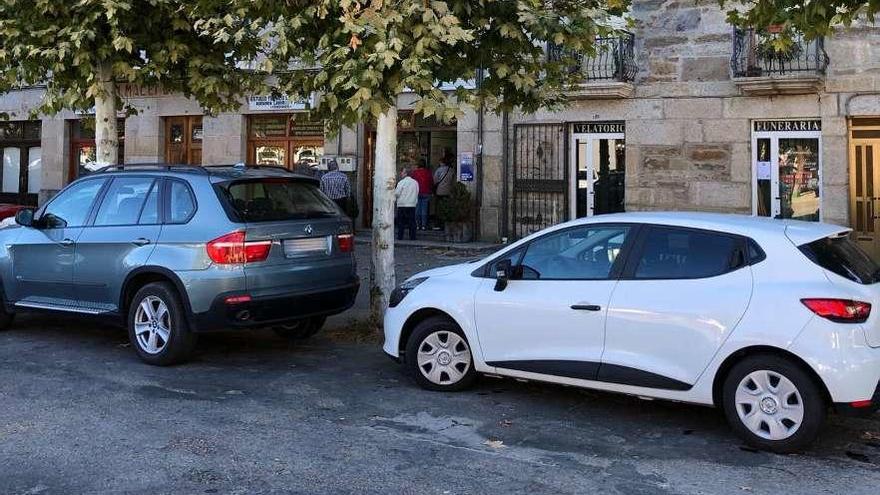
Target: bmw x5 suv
174	251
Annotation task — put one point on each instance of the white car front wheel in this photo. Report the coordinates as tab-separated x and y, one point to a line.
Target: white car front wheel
439	357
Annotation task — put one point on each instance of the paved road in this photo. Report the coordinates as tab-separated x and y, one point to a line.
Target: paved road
254	414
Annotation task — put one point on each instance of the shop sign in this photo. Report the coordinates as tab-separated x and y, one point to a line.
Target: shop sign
466	167
129	90
267	103
599	127
788	125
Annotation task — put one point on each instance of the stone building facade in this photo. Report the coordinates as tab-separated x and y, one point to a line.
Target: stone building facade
711	119
683	114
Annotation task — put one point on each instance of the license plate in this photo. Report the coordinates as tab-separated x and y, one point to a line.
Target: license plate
307	246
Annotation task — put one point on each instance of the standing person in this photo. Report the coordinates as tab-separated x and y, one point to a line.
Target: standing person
336	186
407	194
426	185
443	179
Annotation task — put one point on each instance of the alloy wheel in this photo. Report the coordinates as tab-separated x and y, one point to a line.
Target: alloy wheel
152	325
444	357
769	405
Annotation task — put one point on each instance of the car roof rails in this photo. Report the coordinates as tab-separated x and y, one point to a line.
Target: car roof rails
137	167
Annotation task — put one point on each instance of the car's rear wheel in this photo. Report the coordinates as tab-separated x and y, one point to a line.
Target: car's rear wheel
439	357
157	325
301	329
773	403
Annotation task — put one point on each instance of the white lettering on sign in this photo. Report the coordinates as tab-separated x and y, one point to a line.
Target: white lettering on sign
788	125
599	127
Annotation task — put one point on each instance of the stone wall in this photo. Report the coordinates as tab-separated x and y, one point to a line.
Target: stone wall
688	126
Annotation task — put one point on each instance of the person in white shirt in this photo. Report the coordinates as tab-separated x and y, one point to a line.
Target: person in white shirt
407	194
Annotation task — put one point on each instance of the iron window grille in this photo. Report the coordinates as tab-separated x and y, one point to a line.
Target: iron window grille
754	55
613	59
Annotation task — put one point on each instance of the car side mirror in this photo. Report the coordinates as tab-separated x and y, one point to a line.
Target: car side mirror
503	273
25	217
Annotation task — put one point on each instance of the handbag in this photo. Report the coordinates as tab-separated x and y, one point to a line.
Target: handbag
437	184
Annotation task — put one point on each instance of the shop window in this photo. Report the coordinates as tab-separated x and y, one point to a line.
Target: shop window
84	151
21	168
787	169
285	140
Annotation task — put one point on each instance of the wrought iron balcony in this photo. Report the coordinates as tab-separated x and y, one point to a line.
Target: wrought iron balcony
759	68
608	72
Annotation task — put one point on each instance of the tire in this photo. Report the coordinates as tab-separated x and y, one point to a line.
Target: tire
438	356
300	330
773	404
160	337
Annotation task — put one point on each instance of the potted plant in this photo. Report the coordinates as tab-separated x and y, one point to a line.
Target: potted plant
455	211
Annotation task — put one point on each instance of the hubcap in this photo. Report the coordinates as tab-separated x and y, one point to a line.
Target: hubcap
444	358
152	325
769	405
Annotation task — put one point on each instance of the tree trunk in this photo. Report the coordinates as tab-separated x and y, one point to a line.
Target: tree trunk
382	278
106	135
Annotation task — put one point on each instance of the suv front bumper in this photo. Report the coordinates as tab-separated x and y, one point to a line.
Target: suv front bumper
276	309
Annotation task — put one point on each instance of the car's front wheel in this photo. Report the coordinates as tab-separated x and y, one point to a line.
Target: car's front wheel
439	357
158	327
773	404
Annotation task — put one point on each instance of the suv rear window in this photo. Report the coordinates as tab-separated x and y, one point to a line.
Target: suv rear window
268	200
844	257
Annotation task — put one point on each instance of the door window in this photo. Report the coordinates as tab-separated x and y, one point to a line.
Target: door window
71	207
123	201
670	253
150	212
580	253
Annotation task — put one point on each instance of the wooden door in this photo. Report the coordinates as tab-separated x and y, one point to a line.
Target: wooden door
183	140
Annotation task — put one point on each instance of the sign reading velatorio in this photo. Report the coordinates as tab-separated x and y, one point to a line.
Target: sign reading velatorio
787	125
599	127
262	103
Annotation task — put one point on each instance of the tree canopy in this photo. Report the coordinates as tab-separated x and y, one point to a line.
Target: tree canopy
362	54
147	42
813	18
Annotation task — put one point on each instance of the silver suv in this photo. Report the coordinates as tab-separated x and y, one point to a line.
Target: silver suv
174	251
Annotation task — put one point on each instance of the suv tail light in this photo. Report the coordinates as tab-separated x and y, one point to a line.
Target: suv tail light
232	248
346	242
839	310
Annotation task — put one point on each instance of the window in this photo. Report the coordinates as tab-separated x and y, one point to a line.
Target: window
274	200
150	213
123	201
670	253
71	207
285	140
514	256
182	205
20	161
844	257
580	253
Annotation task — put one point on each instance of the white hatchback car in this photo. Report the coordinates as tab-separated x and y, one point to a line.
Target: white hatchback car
770	320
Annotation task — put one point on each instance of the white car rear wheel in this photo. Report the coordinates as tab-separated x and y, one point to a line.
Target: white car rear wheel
773	403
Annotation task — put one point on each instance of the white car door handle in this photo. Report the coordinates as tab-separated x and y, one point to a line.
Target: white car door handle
586	307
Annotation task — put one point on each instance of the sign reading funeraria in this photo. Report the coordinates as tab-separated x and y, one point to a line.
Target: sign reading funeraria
787	125
598	127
